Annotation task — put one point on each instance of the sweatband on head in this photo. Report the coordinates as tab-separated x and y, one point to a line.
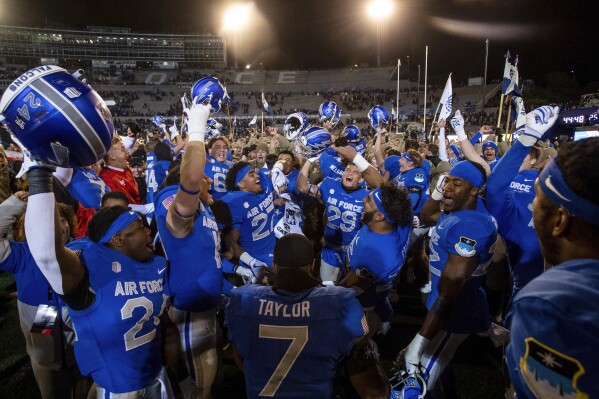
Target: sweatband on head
407	156
467	171
241	174
556	189
491	144
124	220
378	200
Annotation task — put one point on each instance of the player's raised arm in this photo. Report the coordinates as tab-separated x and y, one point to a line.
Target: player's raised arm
369	173
184	207
457	122
61	266
302	181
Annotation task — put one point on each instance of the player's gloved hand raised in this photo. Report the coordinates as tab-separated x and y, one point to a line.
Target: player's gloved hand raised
437	193
278	177
29	161
537	123
197	120
457	122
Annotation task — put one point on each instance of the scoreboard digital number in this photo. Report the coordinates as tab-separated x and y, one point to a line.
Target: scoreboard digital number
579	116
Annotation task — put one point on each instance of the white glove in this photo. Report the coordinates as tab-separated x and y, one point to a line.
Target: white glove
246	273
256	266
537	123
411	355
197	119
437	193
415	221
457	122
163	127
174	131
278	177
29	161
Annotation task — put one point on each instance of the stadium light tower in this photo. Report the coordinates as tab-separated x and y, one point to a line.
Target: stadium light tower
379	11
235	18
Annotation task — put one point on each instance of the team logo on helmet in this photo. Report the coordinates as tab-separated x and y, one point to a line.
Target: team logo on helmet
329	110
294	125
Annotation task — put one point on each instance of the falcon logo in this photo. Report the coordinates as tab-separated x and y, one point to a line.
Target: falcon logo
549	373
419	177
465	247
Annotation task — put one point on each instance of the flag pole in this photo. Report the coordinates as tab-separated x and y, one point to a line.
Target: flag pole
500	110
397	98
485	81
507	119
434	119
425	86
262	124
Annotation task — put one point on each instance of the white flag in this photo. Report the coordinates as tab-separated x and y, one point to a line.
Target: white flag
521	113
446	100
254	120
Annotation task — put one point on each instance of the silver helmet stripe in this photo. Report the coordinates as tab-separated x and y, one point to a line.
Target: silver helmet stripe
72	114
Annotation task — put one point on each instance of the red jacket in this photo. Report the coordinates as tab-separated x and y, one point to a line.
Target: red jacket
121	180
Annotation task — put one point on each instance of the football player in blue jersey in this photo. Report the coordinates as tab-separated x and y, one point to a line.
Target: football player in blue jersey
460	248
156	174
490	153
343	200
290	338
408	172
386	223
555	324
509	194
191	242
114	288
49	343
288	204
217	166
84	184
250	199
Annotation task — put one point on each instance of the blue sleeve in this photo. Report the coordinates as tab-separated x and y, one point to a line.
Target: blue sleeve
236	211
392	165
500	202
467	239
265	181
15	261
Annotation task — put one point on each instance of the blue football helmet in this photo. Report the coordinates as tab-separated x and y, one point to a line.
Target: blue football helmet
329	110
405	385
314	141
214	128
378	116
59	119
209	90
352	132
294	125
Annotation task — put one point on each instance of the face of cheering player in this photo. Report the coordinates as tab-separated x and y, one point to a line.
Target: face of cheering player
489	154
287	162
118	156
370	210
205	196
328	124
218	151
261	156
457	194
251	183
134	241
351	177
405	165
544	217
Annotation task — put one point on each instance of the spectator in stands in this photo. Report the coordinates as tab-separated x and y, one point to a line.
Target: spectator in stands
137	168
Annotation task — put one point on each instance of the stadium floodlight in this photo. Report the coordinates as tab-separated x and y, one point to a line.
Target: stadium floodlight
235	18
379	11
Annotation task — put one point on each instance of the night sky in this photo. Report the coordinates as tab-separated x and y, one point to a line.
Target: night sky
548	35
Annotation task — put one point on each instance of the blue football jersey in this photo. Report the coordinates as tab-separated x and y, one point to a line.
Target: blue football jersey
154	178
150	160
378	258
87	187
555	333
217	171
360	146
32	286
464	233
195	282
253	216
118	336
509	199
330	164
343	210
292	343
